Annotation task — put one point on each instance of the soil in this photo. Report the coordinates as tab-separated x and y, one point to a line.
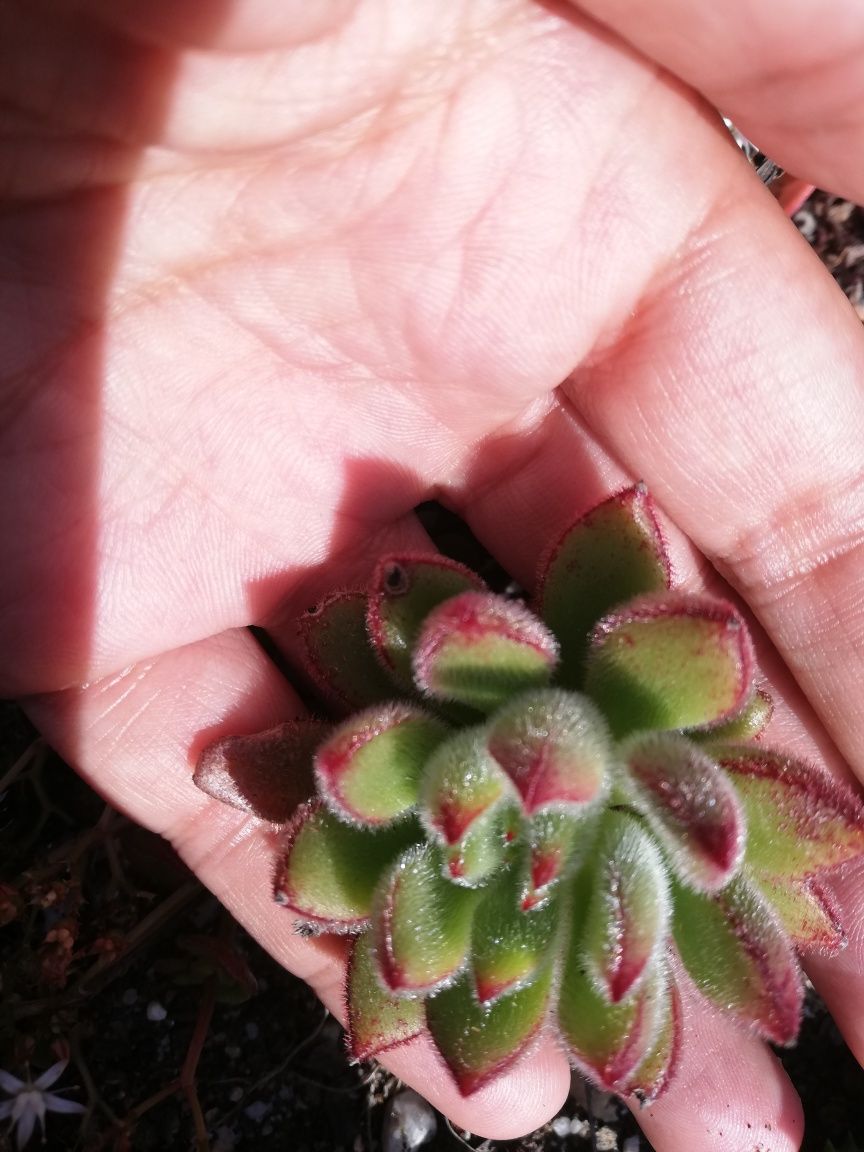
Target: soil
184	1034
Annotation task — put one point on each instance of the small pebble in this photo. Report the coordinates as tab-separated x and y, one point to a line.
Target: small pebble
606	1141
156	1012
235	1094
631	1144
561	1126
257	1110
408	1123
232	1051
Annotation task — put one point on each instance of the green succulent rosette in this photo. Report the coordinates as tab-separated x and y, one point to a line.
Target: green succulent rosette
540	815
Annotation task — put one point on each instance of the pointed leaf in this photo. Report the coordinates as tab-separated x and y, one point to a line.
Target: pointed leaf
421	926
670	661
508	945
405	588
738	956
657	1069
480	649
799	820
607	1042
748	725
377	1020
808	912
460	783
612	554
339	656
690	805
486	846
555	747
328	871
627	919
369	769
268	774
479	1042
558	842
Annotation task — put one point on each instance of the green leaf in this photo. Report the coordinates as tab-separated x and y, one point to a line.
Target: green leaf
369	769
657	1069
460	783
670	661
268	774
377	1020
738	956
750	723
799	820
328	871
558	842
555	747
339	657
508	945
628	907
690	804
486	845
607	1042
479	1042
405	588
612	554
421	926
808	912
479	649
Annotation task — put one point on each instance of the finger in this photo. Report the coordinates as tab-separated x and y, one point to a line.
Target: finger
790	76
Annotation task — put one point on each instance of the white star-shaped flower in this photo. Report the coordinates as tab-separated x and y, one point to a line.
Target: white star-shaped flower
30	1101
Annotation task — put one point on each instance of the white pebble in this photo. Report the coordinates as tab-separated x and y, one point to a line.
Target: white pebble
631	1144
607	1141
561	1126
409	1122
156	1012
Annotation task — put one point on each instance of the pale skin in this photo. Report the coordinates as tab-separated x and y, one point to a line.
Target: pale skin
274	273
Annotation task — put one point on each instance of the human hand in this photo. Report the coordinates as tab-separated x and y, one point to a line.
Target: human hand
275	274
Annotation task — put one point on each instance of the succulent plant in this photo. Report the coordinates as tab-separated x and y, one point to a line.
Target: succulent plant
541	816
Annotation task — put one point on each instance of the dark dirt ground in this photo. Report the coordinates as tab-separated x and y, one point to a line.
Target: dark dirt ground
184	1034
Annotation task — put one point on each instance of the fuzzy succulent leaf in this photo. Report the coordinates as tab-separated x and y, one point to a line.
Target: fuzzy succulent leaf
808	912
480	649
608	1042
328	871
555	747
267	774
487	844
508	944
377	1020
627	917
800	821
613	553
460	783
403	591
557	842
421	927
368	769
670	661
735	950
477	1041
749	723
690	804
657	1069
339	657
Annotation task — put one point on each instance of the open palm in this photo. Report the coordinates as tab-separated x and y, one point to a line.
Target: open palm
273	274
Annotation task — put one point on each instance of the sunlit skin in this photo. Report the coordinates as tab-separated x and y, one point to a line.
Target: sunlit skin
273	273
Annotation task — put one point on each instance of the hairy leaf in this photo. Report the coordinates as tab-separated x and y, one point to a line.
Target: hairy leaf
690	805
328	871
555	747
670	661
615	552
799	820
558	842
460	783
738	956
421	926
479	649
628	906
339	657
747	725
377	1020
369	769
808	911
478	1042
508	944
657	1069
268	774
405	588
487	844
